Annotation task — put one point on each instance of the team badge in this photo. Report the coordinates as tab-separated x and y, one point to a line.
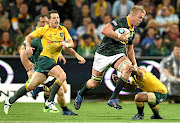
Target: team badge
61	34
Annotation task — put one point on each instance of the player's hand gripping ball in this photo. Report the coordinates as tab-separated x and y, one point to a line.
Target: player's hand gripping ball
121	31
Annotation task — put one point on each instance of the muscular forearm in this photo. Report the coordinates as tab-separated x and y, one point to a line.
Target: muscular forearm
109	31
25	60
70	43
71	52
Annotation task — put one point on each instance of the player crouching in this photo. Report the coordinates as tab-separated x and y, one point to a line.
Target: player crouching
156	92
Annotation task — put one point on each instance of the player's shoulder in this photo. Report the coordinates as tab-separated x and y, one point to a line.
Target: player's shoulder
62	27
120	22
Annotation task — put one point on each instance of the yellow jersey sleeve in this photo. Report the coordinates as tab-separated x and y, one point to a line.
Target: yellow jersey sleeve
66	33
39	32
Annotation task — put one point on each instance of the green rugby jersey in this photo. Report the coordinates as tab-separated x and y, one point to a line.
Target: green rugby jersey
109	46
35	43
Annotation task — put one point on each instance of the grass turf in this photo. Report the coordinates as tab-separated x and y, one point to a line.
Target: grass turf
89	112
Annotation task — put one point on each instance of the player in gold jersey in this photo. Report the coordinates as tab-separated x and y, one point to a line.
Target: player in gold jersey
53	38
156	92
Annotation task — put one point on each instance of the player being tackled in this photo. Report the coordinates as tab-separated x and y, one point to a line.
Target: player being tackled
156	92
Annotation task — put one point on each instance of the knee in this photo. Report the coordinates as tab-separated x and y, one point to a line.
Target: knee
60	92
125	68
29	88
61	77
92	84
137	98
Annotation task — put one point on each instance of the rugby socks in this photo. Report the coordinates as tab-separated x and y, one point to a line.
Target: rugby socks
155	109
83	91
65	108
54	90
45	97
37	90
22	91
140	107
119	85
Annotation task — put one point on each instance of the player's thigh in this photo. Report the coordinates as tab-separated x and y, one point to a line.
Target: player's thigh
122	64
141	97
57	72
101	62
37	79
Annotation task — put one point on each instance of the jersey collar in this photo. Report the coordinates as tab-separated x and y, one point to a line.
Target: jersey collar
131	28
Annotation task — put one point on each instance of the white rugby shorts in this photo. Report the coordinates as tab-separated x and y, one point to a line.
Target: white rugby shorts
101	62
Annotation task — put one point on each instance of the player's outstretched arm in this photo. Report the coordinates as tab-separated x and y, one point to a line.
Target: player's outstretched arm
61	58
72	52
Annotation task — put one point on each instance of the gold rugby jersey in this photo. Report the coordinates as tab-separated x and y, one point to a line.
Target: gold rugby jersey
50	39
149	83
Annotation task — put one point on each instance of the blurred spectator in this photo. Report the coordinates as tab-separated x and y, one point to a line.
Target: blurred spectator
107	19
92	31
158	49
165	3
178	39
138	48
150	4
165	18
176	4
96	6
3	14
170	72
149	14
72	32
170	37
85	12
121	8
6	27
44	11
83	28
15	7
64	9
6	47
20	39
151	23
77	13
146	42
99	19
36	5
22	19
87	47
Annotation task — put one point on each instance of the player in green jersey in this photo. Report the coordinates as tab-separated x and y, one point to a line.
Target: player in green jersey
111	52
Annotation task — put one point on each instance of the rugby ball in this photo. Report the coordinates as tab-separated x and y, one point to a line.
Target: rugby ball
121	31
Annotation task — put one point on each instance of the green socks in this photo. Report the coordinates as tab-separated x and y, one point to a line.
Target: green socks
84	90
54	90
119	85
22	91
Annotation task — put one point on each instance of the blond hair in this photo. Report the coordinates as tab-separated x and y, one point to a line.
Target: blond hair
137	8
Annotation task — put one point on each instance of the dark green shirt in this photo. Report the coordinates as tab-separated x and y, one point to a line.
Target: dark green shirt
35	43
109	46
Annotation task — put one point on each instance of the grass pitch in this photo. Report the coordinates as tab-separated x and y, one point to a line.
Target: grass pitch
89	112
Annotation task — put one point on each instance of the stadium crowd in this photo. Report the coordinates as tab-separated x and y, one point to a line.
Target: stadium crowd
84	19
